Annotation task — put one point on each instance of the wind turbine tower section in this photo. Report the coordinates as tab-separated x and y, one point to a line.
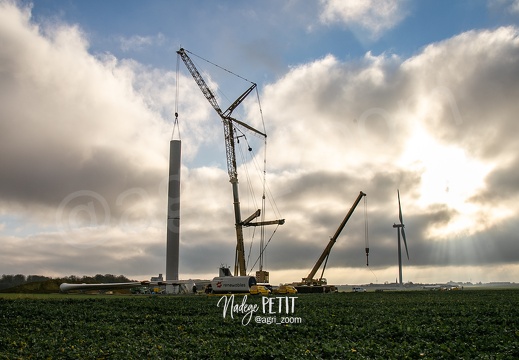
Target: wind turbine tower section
173	230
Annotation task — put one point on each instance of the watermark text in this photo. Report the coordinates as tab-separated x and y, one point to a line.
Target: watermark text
273	310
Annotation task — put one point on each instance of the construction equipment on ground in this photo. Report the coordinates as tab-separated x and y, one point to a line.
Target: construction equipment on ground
285	290
311	285
260	290
225	283
229	124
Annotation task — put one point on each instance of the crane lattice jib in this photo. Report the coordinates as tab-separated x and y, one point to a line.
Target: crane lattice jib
229	150
225	116
200	81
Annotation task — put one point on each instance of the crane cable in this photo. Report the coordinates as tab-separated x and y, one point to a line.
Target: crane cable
249	183
175	123
366	238
262	229
220	67
265	188
324	267
265	247
251	191
250	248
249	186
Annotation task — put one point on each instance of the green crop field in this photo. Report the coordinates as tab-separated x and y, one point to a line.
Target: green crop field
395	325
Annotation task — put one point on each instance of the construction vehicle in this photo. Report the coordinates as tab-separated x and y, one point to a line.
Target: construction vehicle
311	285
229	124
285	290
259	290
358	289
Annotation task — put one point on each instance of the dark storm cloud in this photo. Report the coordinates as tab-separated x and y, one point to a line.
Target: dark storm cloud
501	185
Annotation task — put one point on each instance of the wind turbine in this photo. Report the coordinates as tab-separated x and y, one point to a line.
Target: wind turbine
400	229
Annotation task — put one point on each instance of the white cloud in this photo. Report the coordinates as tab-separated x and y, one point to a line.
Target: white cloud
460	92
373	16
139	43
511	6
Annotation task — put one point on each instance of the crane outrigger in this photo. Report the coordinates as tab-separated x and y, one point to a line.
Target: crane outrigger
228	126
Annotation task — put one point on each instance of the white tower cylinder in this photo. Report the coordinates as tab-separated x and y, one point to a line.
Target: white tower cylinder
173	231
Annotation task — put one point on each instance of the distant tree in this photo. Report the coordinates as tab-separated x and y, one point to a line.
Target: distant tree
36	278
8	281
121	278
72	278
19	279
87	279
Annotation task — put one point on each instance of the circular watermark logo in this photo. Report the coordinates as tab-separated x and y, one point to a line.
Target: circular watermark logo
80	212
136	216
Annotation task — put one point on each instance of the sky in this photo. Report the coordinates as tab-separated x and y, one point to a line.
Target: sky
372	96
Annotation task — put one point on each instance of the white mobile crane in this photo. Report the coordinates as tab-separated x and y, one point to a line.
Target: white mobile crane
308	283
228	126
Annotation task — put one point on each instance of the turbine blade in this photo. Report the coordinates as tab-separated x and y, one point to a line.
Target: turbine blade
405	242
400	209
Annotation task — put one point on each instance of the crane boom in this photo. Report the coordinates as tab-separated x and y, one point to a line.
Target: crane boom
310	278
230	153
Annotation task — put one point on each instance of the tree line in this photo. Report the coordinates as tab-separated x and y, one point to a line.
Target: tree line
8	281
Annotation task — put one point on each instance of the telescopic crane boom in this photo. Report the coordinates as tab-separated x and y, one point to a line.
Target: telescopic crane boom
309	280
228	128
